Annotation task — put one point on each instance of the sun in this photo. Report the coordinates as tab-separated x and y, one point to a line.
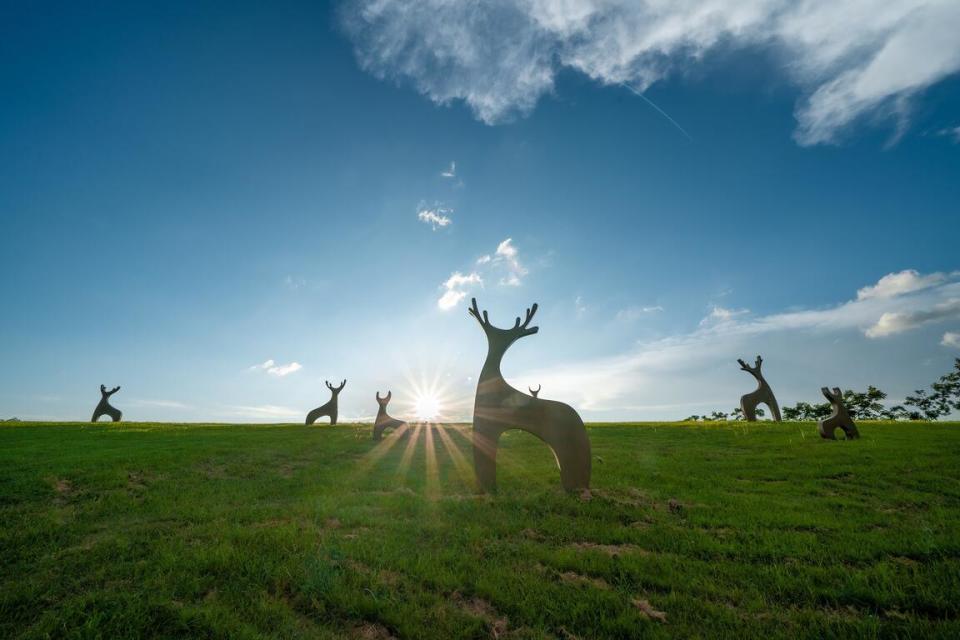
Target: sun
427	407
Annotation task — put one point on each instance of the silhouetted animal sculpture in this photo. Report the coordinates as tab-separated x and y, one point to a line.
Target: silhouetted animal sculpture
762	395
499	407
329	409
104	408
535	392
384	421
839	418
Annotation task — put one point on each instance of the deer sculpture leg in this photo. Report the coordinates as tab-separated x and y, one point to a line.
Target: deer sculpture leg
499	407
330	408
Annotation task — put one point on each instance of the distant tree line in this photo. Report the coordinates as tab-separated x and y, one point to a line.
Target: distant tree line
942	398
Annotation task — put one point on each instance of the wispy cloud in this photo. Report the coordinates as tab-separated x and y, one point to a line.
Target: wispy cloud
276	369
159	404
720	315
951	339
264	411
647	375
456	288
435	217
850	58
634	313
294	282
580	306
951	132
450	172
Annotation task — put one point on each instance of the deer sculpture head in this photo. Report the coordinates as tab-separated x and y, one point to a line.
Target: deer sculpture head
107	394
336	390
499	340
755	369
384	401
535	392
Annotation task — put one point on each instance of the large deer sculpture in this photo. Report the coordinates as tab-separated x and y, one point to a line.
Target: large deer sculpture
104	408
762	395
499	407
329	409
840	418
384	421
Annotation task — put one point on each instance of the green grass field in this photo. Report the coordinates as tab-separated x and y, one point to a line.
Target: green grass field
243	531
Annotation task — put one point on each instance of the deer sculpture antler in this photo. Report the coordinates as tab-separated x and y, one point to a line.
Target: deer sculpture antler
535	393
519	329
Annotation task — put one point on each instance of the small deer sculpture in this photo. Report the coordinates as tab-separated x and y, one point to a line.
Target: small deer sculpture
499	407
329	409
384	421
839	418
535	392
762	395
104	408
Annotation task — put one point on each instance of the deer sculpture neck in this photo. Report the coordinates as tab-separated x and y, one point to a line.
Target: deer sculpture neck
499	407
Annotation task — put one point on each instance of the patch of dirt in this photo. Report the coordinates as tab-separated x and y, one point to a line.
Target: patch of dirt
647	610
532	534
63	489
332	523
675	506
572	577
371	631
612	550
632	498
586	496
480	608
212	471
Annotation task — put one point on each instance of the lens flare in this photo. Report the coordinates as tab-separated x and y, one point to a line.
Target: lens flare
427	408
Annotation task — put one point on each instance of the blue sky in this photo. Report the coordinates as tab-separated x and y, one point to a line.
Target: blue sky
191	190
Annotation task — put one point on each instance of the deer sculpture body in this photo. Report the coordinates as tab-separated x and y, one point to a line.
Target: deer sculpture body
329	409
384	421
840	418
762	395
499	407
535	392
104	408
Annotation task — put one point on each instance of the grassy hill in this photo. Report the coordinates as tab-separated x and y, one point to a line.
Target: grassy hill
243	531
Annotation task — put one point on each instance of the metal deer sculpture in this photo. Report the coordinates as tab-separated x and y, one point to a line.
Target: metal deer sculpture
839	418
329	409
535	392
104	408
762	395
499	407
384	421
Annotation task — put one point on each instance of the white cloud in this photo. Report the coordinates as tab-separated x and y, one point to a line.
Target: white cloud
275	369
508	257
634	313
456	288
161	404
895	284
451	172
436	217
951	339
892	322
850	58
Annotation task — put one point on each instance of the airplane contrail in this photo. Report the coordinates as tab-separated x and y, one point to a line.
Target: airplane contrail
659	110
